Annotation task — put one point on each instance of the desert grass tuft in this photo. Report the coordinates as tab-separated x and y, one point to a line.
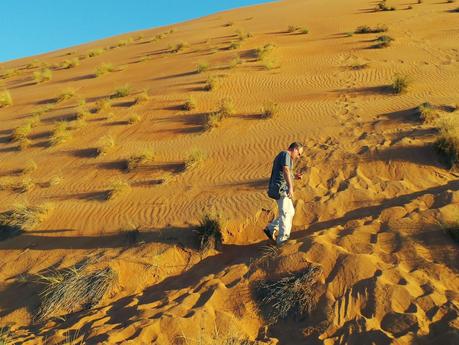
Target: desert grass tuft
234	45
70	63
73	289
22	217
242	35
66	94
105	144
5	98
22	132
365	29
427	113
116	188
262	52
55	181
209	232
140	159
194	158
202	67
357	65
142	97
293	294
24	185
134	118
213	120
382	6
43	75
29	167
103	69
95	52
178	47
269	110
447	143
61	134
212	83
190	103
399	84
121	91
383	41
292	28
104	106
235	62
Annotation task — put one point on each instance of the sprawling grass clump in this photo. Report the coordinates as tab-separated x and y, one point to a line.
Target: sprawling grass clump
447	143
262	52
22	132
61	134
103	69
214	119
195	157
291	295
209	232
22	217
121	91
72	289
66	94
190	103
42	75
202	67
269	110
212	83
95	52
70	63
5	98
116	188
365	29
105	144
400	84
427	113
383	41
140	159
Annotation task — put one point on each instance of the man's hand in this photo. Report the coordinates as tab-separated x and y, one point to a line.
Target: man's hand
299	175
290	193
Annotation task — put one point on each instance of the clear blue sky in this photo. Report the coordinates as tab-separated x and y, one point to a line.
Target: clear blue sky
30	27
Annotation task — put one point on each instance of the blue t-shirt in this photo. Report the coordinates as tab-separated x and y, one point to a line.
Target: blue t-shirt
277	184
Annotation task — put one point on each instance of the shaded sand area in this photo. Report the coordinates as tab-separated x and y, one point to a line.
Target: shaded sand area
370	209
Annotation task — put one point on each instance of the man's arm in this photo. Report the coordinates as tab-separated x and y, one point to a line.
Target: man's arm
288	178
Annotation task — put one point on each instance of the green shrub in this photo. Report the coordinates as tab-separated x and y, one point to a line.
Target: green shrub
400	84
122	91
202	67
140	159
43	75
383	41
293	294
5	98
209	233
190	103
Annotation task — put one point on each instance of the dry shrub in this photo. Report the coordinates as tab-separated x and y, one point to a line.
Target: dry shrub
427	113
235	62
242	35
66	94
24	185
103	105
269	110
212	83
356	66
22	132
70	63
22	217
447	143
43	75
209	232
383	41
60	134
202	67
142	97
73	289
179	47
134	118
365	29
190	103
269	63
5	98
399	84
121	91
292	28
95	52
262	52
213	120
55	180
104	69
116	188
293	294
195	157
382	6
234	45
29	167
105	144
11	72
140	159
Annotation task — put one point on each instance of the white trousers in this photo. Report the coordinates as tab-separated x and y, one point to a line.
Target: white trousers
283	222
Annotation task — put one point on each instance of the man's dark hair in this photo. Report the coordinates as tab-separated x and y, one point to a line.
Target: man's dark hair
295	145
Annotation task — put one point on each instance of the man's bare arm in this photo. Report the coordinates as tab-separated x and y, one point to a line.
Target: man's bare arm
288	178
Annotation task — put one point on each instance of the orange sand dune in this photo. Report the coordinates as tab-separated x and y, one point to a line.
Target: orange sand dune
369	209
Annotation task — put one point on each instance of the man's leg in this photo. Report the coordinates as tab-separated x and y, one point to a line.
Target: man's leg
286	211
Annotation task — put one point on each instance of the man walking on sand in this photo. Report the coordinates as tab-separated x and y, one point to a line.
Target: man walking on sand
281	189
